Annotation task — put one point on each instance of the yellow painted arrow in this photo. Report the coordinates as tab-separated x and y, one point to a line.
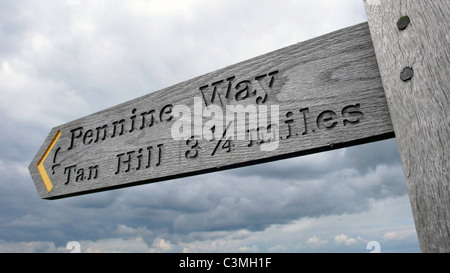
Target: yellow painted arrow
40	165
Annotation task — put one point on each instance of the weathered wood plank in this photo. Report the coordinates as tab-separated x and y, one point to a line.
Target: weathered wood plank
327	91
412	45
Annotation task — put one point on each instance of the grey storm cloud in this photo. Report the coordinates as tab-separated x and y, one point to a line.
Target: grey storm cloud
362	158
219	201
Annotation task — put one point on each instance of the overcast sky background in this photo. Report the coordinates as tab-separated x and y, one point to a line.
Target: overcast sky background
65	59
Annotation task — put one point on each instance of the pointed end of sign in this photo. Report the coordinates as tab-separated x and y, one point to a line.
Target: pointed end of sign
48	184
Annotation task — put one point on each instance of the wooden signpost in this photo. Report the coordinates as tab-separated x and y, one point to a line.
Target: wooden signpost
412	44
313	96
318	95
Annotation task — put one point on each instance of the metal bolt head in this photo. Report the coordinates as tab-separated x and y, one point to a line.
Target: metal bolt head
406	74
403	22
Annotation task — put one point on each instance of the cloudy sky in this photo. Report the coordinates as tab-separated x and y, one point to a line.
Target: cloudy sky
65	59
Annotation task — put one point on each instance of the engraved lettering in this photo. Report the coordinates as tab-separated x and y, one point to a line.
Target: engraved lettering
80	175
214	93
273	73
143	115
139	158
159	154
133	117
149	149
240	115
93	173
69	169
224	146
218	92
230	79
202	89
263	135
259	99
119	127
352	111
166	113
181	128
324	118
72	140
251	136
215	124
243	89
136	160
305	112
269	134
88	135
227	145
289	122
91	169
128	162
121	122
193	151
242	93
54	160
216	84
119	160
104	127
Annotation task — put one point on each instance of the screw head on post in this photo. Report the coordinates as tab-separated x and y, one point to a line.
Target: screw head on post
403	22
406	74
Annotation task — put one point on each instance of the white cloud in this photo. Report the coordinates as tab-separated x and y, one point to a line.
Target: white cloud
28	247
344	239
124	230
173	8
124	245
32	98
399	235
115	245
224	241
316	241
161	245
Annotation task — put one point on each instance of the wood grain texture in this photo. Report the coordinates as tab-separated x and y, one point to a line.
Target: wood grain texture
419	107
329	95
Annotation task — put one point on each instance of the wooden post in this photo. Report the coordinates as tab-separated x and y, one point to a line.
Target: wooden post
412	46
